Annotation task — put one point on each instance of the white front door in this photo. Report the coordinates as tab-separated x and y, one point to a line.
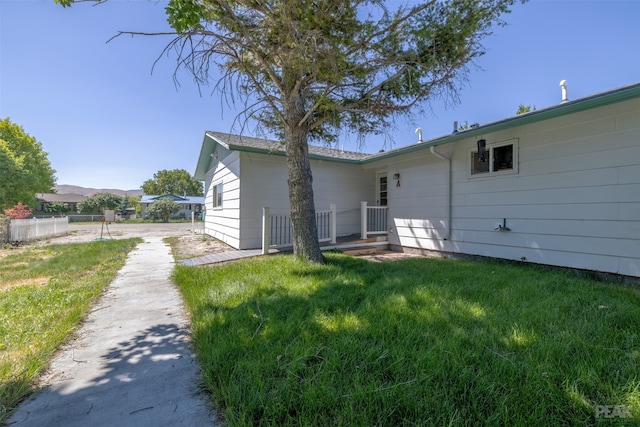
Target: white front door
381	189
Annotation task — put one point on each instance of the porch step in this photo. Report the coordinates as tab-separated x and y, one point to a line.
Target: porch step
372	245
363	251
375	239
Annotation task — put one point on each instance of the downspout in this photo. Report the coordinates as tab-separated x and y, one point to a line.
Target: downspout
448	159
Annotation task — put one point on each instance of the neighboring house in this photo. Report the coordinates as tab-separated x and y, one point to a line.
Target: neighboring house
189	204
559	186
72	200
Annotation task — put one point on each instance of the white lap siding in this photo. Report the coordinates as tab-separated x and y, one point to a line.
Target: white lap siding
223	223
574	201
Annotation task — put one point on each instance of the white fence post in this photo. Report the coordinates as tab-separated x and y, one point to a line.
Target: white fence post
23	230
334	225
266	232
363	220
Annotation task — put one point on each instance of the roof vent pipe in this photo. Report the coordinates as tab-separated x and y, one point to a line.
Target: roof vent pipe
455	126
419	132
563	85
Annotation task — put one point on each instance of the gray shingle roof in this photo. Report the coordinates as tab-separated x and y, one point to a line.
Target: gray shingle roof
55	197
239	142
150	198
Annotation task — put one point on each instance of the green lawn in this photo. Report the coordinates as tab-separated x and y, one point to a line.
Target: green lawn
413	342
45	291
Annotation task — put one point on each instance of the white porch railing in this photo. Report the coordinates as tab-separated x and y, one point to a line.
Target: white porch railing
373	220
24	230
277	231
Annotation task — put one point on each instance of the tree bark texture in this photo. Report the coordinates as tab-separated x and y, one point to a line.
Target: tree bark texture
303	211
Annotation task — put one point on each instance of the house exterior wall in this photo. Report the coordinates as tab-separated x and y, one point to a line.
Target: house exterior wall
264	183
186	211
224	223
418	207
574	200
252	181
345	185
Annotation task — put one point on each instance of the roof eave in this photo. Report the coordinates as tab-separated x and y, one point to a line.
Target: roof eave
610	97
570	107
312	156
206	150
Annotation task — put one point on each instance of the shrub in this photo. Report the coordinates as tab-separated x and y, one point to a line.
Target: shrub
19	211
163	208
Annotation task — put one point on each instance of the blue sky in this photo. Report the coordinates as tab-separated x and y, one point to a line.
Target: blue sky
108	122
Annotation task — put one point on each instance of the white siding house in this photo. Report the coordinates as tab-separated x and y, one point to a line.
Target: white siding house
560	186
242	175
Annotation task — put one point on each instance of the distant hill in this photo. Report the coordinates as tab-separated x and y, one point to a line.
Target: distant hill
75	189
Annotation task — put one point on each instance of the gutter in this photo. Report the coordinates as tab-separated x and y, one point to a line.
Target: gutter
625	93
621	94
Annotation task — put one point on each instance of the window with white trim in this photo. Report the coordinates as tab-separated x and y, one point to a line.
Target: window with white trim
499	158
217	196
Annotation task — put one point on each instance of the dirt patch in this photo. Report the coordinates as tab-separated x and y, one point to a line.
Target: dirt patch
196	245
381	256
9	250
34	281
186	240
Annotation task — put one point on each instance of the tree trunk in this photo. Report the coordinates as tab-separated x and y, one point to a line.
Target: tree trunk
303	211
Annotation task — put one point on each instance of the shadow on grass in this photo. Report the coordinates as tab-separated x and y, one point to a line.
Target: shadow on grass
411	342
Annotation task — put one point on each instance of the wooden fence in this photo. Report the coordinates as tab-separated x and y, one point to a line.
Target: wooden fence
277	231
373	220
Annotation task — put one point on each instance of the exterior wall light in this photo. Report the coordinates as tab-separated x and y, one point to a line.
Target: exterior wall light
482	150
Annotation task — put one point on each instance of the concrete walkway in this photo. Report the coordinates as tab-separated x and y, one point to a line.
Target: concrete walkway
131	364
223	257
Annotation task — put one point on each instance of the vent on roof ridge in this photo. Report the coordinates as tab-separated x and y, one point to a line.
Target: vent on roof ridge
563	85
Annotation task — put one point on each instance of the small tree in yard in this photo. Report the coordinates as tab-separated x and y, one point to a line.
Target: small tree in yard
124	205
176	181
129	204
19	211
57	208
99	202
163	208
